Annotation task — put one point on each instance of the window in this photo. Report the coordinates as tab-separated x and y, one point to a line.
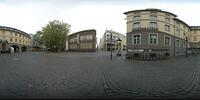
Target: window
178	24
19	35
153	16
136	39
153	24
91	37
195	38
136	24
15	34
136	17
177	43
15	40
82	37
177	32
11	39
167	28
73	40
167	20
153	39
87	37
184	36
167	41
19	41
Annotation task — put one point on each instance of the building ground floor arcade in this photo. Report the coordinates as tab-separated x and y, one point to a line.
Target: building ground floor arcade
157	44
5	46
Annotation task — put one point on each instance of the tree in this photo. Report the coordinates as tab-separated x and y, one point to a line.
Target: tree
54	35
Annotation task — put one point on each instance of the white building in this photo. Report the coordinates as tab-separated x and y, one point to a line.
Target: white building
105	41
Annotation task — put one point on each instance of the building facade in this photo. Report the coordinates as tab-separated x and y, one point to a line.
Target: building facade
157	31
105	41
195	36
17	39
82	41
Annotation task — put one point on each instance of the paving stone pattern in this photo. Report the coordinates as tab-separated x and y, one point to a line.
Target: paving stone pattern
94	75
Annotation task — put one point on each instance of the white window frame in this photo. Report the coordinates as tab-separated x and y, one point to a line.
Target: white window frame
136	26
152	25
178	32
178	24
91	37
169	41
167	28
178	45
167	19
156	39
133	39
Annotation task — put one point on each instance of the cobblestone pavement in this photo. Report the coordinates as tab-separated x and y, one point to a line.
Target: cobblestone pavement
94	75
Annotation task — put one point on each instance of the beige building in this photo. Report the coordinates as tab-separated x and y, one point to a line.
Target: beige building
157	31
105	41
195	36
17	39
82	41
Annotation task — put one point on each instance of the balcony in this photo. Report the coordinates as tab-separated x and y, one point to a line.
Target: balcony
139	29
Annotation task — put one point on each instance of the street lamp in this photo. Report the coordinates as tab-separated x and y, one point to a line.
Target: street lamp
119	47
111	45
186	47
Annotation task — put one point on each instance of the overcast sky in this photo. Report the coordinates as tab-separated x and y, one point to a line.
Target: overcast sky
31	15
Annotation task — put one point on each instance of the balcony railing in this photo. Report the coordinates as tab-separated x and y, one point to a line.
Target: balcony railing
145	29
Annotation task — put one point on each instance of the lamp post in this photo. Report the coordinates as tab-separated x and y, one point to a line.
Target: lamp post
119	47
111	45
186	47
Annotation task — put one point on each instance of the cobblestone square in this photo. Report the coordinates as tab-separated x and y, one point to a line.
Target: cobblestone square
94	75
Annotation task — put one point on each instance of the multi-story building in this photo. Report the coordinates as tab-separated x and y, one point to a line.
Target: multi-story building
82	41
195	36
105	41
157	31
17	39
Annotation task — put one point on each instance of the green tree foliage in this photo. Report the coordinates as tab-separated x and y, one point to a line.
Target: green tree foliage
54	35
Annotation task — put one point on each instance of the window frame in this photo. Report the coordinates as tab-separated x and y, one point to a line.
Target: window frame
153	40
135	24
178	32
151	24
167	28
133	39
178	45
167	19
169	40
